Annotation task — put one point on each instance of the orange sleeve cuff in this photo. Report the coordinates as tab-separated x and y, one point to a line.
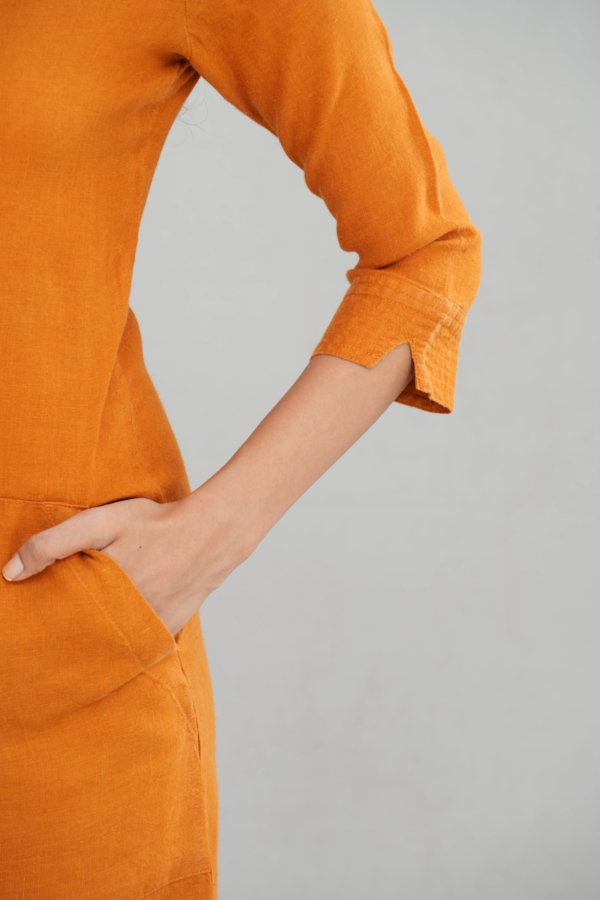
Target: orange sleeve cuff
380	311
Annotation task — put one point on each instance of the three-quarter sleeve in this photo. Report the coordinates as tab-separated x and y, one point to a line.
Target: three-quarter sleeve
320	75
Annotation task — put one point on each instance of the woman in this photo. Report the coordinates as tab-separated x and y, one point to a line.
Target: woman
107	779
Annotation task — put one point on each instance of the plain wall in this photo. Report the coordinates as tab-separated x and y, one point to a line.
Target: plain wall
407	671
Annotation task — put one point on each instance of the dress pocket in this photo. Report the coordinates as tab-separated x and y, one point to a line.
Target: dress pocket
125	607
72	634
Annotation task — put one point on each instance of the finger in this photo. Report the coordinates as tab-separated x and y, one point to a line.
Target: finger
92	529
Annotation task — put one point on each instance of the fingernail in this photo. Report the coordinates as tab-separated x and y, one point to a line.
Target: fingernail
13	568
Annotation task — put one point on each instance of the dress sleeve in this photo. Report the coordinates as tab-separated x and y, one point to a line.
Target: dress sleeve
320	75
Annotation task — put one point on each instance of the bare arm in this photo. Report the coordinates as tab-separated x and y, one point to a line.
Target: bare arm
328	408
178	553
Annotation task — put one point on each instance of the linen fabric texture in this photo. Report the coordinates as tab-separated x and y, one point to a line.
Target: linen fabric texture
107	771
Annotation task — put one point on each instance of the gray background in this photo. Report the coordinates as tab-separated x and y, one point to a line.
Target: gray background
407	671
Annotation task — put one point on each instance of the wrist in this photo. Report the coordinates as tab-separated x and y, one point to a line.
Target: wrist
227	505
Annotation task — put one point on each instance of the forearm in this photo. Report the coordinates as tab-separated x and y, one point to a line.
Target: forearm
328	408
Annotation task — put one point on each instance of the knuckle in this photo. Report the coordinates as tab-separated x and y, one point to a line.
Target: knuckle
37	547
97	525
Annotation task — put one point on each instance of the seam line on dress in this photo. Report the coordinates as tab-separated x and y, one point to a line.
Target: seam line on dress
187	30
136	443
207	872
457	310
44	502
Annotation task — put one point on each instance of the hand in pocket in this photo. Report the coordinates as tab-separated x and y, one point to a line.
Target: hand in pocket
175	553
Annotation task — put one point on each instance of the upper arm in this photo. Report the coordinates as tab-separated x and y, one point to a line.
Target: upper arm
320	75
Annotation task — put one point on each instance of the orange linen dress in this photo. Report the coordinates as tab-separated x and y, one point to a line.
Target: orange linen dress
107	771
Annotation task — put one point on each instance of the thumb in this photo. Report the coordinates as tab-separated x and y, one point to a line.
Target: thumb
89	530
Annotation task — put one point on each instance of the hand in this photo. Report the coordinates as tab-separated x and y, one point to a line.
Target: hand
176	554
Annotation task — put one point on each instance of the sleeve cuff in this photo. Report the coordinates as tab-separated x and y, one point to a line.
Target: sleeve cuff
380	311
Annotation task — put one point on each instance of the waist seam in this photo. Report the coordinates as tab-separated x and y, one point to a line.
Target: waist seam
44	502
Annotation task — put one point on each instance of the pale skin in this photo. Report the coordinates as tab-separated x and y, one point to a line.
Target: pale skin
178	553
